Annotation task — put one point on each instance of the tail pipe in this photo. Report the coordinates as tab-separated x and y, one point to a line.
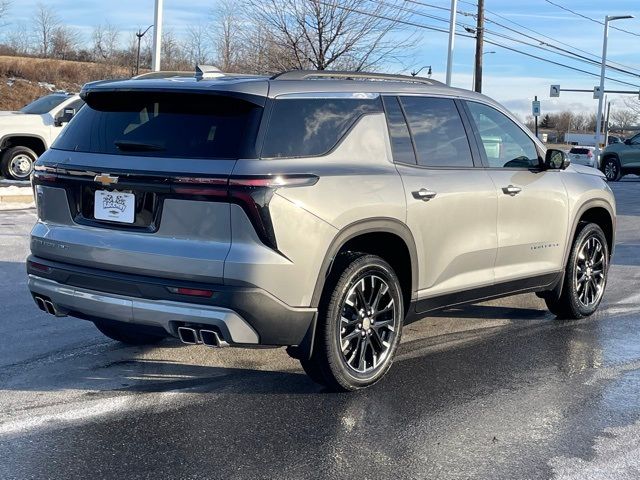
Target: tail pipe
195	336
46	305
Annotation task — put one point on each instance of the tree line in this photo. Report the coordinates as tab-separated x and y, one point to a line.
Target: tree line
251	36
622	119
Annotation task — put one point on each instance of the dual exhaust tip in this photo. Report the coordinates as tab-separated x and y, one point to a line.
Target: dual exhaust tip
47	306
193	336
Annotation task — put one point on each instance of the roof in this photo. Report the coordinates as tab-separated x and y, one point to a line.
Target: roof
288	83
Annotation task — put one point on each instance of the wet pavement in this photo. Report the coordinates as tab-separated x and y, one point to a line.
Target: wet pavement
497	390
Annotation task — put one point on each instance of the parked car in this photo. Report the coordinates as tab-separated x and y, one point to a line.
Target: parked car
26	134
321	211
583	156
620	159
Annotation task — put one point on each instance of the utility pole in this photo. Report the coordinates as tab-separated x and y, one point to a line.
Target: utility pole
479	47
140	34
606	124
157	37
452	38
536	117
603	65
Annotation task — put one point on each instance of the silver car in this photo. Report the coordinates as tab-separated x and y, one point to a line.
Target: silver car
584	156
321	211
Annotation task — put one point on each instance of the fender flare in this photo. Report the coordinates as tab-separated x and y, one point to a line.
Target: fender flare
371	225
8	136
589	204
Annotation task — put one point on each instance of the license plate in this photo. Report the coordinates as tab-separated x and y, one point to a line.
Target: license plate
114	206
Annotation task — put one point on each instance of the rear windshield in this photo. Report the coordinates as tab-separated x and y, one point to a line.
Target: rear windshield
157	124
582	151
313	126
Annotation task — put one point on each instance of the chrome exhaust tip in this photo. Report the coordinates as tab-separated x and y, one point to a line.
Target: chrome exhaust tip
212	339
40	303
188	335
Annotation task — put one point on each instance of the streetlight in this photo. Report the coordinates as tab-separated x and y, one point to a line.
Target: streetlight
607	19
452	38
416	72
473	81
140	34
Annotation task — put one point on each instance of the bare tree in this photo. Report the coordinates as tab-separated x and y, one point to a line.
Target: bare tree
18	39
225	35
197	45
46	23
105	40
65	42
4	9
337	34
622	119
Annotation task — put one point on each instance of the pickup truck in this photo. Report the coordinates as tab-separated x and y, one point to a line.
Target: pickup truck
27	133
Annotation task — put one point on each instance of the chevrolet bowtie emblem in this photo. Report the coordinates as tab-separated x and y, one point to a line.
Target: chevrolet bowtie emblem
105	179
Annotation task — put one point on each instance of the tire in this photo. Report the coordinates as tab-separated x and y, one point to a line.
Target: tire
17	163
611	169
130	334
351	350
585	276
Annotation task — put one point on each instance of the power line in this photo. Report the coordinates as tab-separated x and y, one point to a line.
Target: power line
566	54
596	60
589	18
437	29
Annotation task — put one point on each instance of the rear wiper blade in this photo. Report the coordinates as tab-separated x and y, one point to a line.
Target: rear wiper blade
129	146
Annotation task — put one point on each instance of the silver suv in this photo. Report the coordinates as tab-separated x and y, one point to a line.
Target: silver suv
321	211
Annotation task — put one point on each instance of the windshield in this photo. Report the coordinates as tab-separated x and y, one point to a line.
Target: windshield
158	124
44	104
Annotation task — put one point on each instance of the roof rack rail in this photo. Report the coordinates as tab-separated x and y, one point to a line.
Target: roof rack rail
307	74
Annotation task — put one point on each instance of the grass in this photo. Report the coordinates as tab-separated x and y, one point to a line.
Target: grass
20	77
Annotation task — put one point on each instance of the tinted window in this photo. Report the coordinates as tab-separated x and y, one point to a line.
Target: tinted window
401	145
505	143
438	132
312	126
163	125
581	151
44	104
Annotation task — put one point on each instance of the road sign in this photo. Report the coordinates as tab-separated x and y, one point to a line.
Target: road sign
555	91
535	108
596	92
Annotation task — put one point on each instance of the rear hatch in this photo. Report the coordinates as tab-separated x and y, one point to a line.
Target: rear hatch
138	180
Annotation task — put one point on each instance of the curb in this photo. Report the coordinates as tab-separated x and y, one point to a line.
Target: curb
16	199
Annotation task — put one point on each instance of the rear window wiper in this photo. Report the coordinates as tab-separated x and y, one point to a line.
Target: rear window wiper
129	146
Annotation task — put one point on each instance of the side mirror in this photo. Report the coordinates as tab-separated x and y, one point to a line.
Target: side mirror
627	141
556	160
67	115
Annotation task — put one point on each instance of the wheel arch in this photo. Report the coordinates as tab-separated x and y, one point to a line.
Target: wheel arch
602	214
386	237
34	142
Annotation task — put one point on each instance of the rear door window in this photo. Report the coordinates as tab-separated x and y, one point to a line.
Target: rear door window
307	127
438	132
164	125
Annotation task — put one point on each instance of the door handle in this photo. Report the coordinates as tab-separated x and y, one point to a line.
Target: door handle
424	194
511	190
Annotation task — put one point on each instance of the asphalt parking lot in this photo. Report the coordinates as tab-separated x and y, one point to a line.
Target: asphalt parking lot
499	390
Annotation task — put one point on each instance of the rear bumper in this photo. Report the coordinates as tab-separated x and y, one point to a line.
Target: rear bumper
242	315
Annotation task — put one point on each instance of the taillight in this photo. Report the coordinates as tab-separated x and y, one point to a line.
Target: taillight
252	193
590	154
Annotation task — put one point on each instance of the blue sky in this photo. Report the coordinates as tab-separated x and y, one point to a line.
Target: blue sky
509	77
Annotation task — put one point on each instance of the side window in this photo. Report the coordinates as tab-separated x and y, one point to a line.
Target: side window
505	143
401	145
76	104
635	140
438	132
306	127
